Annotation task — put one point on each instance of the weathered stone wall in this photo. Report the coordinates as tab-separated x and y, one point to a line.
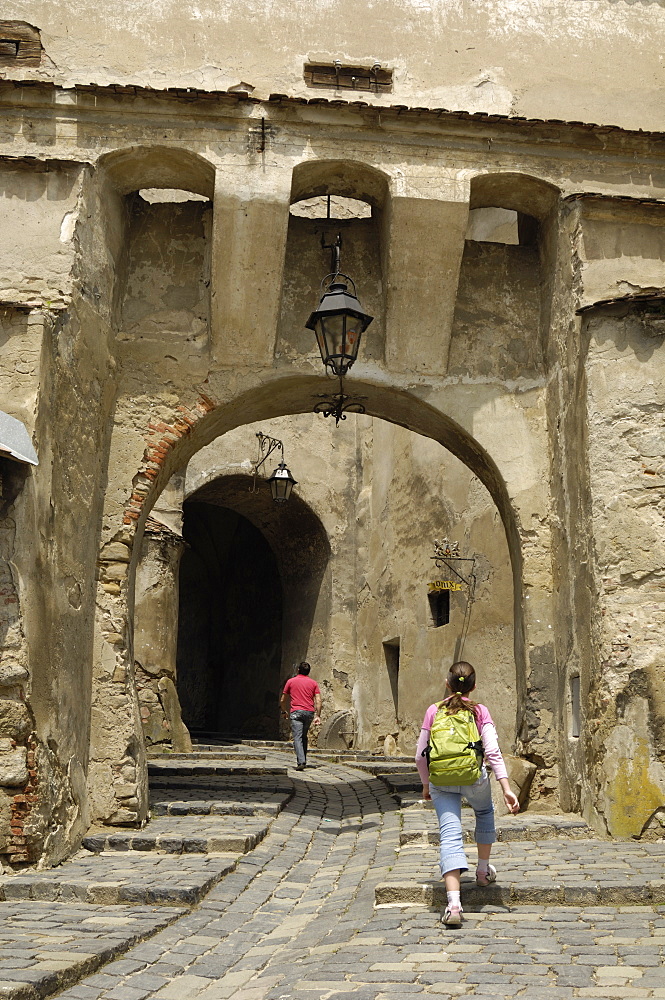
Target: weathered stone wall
156	638
57	379
569	60
625	375
156	328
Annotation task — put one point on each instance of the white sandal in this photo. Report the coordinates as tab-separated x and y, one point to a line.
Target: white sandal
486	878
452	916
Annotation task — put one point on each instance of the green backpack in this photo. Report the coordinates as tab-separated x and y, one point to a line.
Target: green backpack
455	750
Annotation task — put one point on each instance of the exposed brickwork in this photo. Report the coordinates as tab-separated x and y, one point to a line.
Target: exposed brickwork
160	440
18	850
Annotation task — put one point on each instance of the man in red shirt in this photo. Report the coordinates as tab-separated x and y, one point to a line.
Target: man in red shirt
305	698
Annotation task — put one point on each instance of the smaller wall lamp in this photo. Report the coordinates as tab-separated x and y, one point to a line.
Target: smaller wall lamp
281	482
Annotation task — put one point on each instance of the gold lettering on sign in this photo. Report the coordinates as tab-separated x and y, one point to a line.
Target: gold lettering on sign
444	585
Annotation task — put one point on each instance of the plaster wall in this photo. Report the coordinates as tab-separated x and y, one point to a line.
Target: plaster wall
567	60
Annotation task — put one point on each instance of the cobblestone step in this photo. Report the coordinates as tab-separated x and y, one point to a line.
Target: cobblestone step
196	768
207	754
130	877
46	946
168	801
210	786
388	769
186	835
419	825
559	872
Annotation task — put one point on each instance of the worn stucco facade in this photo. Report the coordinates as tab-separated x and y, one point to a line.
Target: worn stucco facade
513	378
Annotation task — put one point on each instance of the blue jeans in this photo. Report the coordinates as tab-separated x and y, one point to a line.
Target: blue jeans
300	723
447	801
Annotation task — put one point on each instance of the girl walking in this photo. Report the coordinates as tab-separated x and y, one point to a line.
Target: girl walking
447	798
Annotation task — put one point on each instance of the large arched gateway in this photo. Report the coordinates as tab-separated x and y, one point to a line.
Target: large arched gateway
514	272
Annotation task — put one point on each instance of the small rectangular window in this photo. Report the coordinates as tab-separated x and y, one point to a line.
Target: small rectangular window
338	77
20	44
439	606
575	707
391	653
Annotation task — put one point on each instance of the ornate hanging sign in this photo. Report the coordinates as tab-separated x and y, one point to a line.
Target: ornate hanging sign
460	570
435	585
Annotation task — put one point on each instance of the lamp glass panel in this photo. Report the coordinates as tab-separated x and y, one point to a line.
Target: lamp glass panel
321	341
334	333
353	332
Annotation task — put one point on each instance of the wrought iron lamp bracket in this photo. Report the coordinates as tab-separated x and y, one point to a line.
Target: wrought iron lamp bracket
267	445
339	404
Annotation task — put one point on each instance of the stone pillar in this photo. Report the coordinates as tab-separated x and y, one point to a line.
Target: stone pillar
156	638
250	223
424	230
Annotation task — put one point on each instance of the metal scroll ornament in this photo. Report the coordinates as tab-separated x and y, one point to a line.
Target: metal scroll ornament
339	404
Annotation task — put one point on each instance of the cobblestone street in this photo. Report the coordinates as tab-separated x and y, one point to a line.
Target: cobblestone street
297	916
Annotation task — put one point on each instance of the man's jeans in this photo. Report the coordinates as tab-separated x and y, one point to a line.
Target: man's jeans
447	800
300	723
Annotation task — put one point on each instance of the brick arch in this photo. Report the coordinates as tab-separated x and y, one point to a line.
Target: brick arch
170	444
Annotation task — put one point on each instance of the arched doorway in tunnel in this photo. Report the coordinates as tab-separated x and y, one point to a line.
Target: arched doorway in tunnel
249	581
229	625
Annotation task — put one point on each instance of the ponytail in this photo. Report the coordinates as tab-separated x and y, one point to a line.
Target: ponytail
461	680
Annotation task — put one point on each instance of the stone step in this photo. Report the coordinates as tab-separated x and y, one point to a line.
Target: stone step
47	946
405	784
205	740
558	872
260	785
354	756
207	755
190	802
176	768
189	835
419	825
116	877
389	769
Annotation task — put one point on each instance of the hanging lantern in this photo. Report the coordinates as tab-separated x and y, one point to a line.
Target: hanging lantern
338	324
281	483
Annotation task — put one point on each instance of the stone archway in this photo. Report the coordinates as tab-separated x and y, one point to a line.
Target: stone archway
519	491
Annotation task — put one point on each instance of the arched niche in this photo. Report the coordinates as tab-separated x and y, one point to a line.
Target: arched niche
501	322
349	178
362	251
136	167
163	298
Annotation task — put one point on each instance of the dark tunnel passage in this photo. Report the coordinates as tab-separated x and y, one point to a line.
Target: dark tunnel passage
250	579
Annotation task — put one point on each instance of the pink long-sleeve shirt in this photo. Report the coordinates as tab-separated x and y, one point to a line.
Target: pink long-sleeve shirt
488	735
